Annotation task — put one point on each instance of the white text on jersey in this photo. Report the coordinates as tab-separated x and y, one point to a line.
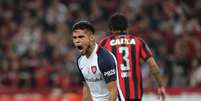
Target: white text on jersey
122	41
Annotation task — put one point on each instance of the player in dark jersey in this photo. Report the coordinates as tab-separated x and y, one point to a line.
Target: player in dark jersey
129	50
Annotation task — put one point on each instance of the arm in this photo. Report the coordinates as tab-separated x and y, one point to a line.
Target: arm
86	93
113	92
155	71
108	69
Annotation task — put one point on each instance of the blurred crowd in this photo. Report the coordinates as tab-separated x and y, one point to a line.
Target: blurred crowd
36	49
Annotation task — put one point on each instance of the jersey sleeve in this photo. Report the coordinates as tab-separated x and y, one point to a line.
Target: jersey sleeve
81	76
145	51
107	65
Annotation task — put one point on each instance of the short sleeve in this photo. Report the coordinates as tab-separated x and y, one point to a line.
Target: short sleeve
145	51
107	65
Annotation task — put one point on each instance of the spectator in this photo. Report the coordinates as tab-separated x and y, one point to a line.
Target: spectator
35	45
195	76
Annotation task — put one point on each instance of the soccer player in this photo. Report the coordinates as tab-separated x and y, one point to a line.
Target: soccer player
129	51
96	65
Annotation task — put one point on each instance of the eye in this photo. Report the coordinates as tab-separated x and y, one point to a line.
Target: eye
74	37
80	36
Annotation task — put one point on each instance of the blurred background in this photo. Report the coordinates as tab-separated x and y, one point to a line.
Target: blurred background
37	58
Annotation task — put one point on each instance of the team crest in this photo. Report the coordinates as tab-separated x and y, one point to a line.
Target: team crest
93	69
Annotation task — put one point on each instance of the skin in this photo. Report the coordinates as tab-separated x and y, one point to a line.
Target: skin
86	93
84	41
112	87
155	71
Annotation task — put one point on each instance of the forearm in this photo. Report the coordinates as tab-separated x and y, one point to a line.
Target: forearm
86	94
113	91
156	74
86	97
155	71
113	96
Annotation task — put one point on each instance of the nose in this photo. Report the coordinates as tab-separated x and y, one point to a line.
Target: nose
76	40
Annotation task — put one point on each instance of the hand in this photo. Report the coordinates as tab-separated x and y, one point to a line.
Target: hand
161	94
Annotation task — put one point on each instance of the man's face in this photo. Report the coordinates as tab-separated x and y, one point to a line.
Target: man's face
82	40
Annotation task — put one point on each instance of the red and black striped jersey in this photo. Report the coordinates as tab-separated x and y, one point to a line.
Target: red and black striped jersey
128	50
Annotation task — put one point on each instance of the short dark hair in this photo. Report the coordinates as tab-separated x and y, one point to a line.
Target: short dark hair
83	25
118	22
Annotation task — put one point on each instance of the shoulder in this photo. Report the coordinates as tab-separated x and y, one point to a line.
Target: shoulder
104	53
104	56
137	38
79	58
134	35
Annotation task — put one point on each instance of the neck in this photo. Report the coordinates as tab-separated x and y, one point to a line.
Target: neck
90	49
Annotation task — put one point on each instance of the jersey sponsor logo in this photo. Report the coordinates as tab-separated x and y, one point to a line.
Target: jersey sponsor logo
109	73
94	79
122	41
93	69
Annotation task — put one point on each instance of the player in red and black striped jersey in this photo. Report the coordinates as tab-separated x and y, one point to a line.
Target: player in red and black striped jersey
129	50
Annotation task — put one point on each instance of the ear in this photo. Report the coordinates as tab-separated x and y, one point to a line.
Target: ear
92	37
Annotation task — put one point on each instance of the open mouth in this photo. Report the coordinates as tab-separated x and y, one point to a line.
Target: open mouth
80	47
